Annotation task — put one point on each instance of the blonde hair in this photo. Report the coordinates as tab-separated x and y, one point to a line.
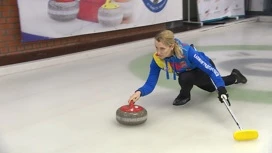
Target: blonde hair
167	38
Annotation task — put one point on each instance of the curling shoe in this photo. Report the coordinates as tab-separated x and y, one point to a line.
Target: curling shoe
181	100
240	78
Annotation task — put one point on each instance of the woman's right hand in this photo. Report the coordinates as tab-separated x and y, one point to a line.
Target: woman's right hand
136	96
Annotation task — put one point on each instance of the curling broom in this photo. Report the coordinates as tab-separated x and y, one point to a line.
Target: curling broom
241	135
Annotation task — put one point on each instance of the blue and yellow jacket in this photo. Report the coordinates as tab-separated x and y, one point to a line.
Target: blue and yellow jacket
191	59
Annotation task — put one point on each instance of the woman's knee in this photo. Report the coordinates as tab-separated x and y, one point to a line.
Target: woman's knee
186	78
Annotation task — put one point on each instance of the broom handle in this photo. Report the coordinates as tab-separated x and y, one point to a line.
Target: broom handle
231	113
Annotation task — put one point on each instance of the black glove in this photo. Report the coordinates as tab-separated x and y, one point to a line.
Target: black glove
192	45
222	92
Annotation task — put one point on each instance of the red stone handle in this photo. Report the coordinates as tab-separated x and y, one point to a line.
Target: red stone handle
131	104
131	107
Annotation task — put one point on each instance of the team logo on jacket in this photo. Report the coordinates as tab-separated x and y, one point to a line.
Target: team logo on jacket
155	5
179	66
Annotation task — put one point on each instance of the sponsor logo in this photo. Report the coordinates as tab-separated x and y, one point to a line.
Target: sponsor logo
206	65
155	5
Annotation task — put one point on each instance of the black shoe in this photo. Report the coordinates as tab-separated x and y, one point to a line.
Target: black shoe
180	100
240	78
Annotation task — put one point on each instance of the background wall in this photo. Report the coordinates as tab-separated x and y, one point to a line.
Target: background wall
257	5
12	50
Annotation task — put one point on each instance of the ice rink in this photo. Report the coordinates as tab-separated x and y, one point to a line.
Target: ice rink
67	104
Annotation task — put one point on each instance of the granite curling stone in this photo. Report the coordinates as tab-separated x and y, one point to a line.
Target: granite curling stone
63	10
131	114
110	14
127	8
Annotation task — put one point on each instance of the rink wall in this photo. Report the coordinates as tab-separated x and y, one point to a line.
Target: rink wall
46	62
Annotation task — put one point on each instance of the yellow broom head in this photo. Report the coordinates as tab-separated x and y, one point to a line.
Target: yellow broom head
245	135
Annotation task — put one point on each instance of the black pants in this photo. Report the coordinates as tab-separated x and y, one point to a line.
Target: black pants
202	80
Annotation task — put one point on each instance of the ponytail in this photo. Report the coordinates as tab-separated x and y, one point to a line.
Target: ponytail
177	50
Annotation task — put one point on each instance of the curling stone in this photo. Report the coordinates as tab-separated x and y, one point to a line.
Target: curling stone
127	8
63	10
131	114
110	14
